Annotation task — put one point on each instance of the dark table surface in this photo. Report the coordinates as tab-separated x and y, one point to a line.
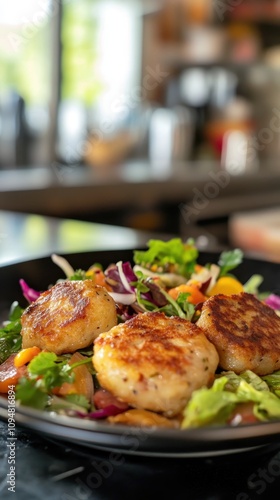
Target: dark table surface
47	468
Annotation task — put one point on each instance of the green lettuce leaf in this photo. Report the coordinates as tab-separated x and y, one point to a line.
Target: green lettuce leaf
209	406
273	382
162	254
212	406
267	404
254	380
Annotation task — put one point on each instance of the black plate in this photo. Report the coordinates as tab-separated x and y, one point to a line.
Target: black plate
210	441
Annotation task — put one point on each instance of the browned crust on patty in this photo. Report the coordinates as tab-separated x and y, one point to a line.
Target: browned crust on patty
68	317
245	332
154	333
154	362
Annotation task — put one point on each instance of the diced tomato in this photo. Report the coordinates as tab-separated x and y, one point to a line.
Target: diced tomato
243	414
98	277
10	374
103	398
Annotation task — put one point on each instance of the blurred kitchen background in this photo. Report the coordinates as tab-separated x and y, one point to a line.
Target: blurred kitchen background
156	115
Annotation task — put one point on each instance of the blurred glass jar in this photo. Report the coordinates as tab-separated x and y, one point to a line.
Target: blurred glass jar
171	136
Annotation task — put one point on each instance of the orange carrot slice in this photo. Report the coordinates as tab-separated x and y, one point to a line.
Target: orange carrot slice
25	356
195	296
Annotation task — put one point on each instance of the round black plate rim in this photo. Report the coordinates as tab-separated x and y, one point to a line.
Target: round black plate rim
150	440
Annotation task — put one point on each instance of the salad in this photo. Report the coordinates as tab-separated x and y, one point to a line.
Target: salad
165	278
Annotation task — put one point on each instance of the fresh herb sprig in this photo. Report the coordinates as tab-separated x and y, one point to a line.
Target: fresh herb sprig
160	300
10	337
45	372
79	275
229	260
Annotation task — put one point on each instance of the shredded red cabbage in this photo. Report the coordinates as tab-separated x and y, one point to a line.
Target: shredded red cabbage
108	411
125	312
205	285
155	296
29	293
273	301
128	271
119	276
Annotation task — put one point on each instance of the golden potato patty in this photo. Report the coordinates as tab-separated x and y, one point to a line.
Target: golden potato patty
154	362
68	316
245	332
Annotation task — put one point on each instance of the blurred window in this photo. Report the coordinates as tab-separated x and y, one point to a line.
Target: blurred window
66	66
100	47
25	34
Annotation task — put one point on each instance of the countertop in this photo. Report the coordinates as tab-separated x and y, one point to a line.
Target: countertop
26	236
61	190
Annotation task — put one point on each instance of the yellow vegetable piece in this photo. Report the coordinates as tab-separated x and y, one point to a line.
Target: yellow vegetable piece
143	418
25	356
226	285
